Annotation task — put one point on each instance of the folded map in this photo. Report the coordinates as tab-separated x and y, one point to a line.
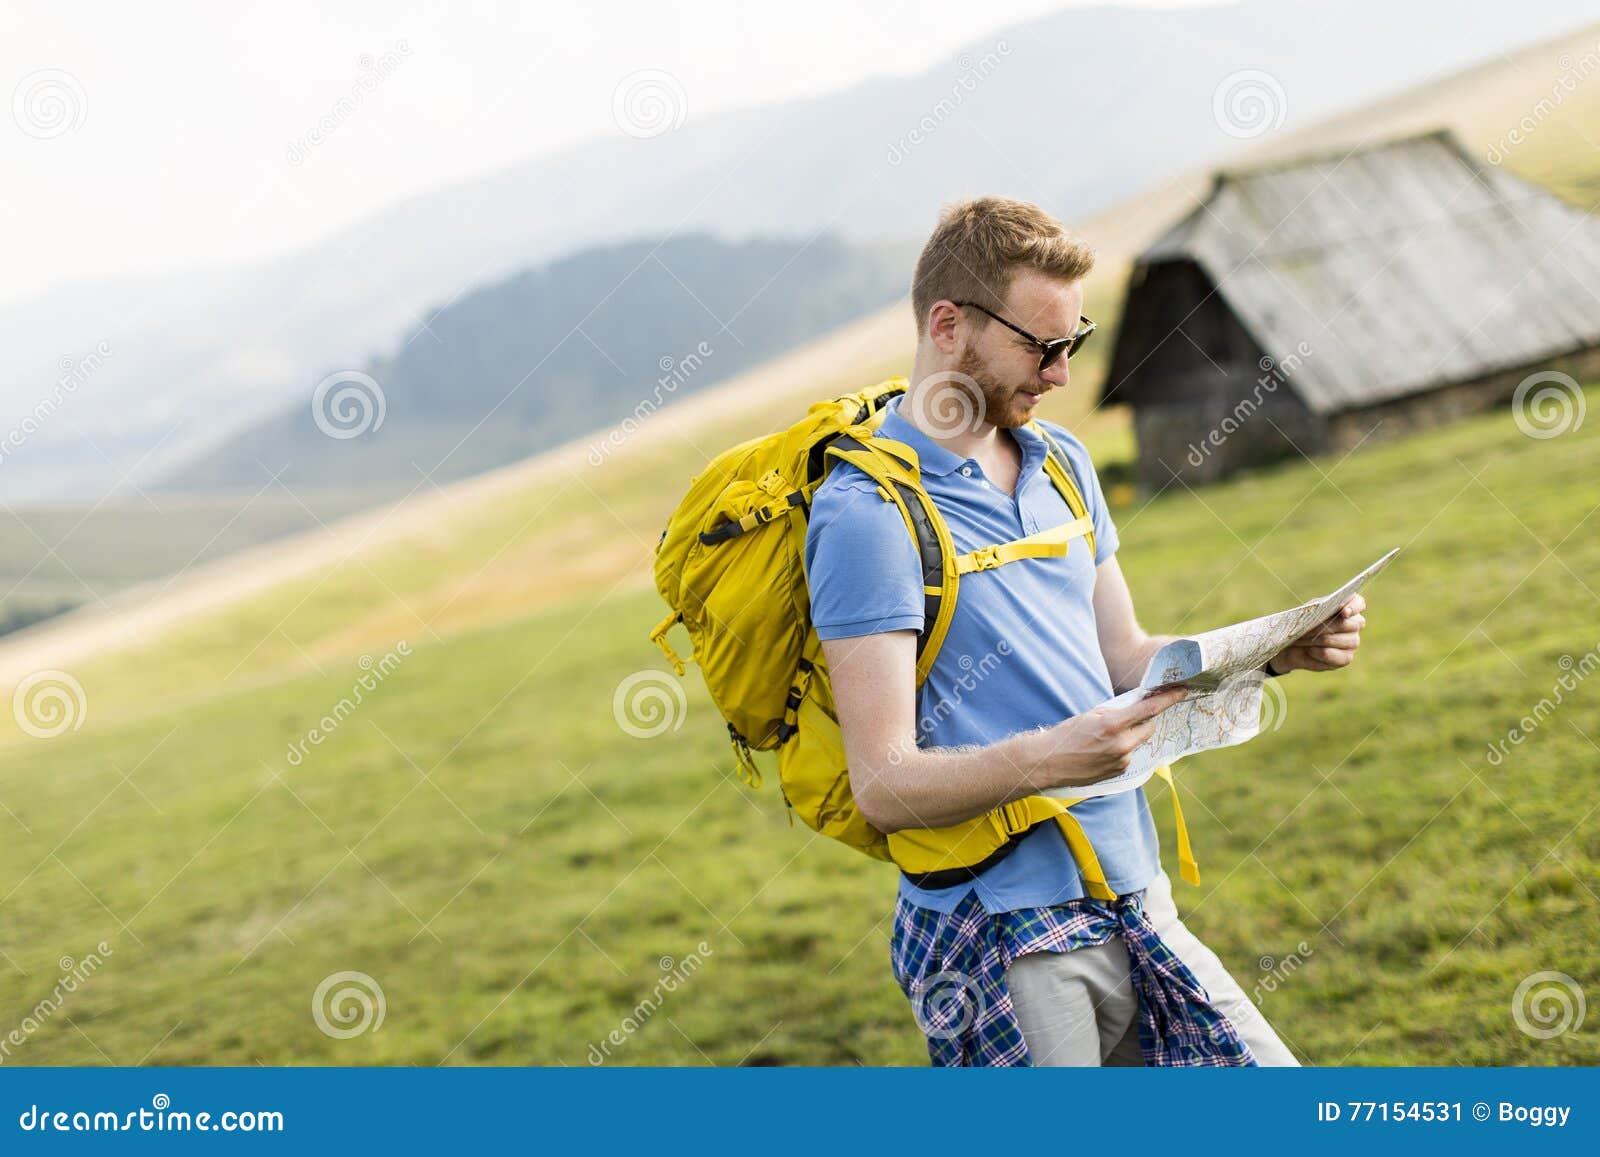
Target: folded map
1223	671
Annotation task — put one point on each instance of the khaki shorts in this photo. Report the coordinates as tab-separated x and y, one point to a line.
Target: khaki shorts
1080	1008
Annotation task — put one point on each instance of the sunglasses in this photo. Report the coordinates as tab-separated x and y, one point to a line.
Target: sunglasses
1049	351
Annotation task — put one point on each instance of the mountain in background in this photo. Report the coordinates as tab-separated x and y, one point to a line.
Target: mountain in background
598	339
1074	110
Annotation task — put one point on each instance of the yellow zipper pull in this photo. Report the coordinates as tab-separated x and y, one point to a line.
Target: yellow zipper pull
749	773
659	638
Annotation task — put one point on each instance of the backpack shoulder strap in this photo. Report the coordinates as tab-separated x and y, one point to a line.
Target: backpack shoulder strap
1059	469
893	466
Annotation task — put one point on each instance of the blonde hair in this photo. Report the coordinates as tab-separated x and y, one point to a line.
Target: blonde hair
979	245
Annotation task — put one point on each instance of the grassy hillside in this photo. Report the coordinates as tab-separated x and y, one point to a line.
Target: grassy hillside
484	840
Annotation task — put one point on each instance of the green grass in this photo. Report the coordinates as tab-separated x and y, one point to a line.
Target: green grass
484	840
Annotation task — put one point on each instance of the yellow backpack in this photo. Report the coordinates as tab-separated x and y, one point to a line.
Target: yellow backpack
731	565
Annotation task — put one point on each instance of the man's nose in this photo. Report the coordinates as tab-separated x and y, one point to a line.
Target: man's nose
1057	373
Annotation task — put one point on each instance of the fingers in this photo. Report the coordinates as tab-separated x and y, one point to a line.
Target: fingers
1338	640
1319	658
1153	704
1126	730
1324	665
1335	624
1137	734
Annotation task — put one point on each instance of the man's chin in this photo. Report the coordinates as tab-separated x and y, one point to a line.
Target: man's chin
1020	411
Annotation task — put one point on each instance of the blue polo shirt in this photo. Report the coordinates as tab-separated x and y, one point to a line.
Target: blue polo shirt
1021	653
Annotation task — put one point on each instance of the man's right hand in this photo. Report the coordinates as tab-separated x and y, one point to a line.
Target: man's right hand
1098	744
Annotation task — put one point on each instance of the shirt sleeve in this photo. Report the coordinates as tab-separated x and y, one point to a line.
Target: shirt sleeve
1106	540
862	567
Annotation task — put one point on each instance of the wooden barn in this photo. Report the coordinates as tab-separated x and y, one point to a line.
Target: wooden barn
1309	305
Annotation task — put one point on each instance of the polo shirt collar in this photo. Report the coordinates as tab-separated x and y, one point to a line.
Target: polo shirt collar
938	461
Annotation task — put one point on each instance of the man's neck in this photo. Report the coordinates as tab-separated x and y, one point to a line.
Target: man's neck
926	403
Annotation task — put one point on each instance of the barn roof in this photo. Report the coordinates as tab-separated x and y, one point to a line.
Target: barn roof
1403	265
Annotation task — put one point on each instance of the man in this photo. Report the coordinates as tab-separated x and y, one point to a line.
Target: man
1017	964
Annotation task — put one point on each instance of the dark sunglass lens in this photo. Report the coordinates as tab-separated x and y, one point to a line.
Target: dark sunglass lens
1052	353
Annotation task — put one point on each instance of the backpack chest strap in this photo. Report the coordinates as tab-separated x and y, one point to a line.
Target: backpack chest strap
1052	542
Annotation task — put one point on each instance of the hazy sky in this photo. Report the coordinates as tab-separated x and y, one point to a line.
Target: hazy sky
155	137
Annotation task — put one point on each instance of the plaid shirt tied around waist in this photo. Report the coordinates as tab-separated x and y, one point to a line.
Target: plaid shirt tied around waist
953	969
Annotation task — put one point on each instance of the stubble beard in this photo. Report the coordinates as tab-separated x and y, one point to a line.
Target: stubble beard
1003	406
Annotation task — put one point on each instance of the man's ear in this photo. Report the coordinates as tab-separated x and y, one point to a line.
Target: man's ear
944	318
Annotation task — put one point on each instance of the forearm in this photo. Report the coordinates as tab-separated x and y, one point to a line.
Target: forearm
1127	665
940	786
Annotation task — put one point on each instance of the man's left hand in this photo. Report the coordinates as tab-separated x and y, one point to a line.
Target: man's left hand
1328	646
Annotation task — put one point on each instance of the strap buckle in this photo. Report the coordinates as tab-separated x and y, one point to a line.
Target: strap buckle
986	558
1014	817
